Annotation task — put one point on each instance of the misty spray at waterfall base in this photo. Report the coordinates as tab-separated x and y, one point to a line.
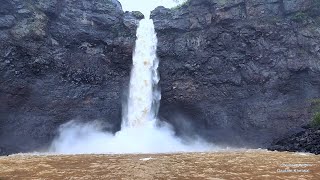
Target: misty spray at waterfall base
141	131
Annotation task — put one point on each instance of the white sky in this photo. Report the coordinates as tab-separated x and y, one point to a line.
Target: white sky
145	6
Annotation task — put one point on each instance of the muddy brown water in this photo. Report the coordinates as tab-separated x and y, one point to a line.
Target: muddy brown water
250	164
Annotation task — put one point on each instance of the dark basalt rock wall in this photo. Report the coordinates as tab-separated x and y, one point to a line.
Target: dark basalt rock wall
307	140
60	60
239	72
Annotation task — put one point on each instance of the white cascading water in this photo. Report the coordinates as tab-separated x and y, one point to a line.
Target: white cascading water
144	97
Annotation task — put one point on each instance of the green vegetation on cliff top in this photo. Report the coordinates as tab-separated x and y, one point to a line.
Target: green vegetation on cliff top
181	5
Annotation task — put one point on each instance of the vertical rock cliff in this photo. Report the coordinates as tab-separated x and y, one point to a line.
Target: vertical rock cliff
239	72
61	60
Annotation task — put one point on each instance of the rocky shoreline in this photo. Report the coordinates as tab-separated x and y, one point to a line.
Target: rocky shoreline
307	140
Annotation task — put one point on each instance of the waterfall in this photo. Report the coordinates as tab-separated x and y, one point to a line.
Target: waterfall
144	96
139	133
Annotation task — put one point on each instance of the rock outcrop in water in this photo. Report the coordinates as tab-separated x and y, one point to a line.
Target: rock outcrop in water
61	60
307	140
242	72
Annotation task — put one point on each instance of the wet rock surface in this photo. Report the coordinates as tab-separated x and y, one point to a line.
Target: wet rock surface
61	60
239	72
307	140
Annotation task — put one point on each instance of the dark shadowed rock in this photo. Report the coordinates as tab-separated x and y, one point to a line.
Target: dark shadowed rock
7	21
60	60
292	6
137	14
240	72
306	140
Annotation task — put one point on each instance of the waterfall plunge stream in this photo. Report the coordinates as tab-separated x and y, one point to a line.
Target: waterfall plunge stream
141	132
144	97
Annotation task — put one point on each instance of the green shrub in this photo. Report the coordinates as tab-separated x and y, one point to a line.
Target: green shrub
138	14
180	5
300	17
316	119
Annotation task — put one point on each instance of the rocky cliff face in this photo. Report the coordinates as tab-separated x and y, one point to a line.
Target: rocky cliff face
60	60
306	140
239	72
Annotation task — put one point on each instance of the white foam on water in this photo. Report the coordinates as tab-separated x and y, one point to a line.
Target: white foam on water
75	138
